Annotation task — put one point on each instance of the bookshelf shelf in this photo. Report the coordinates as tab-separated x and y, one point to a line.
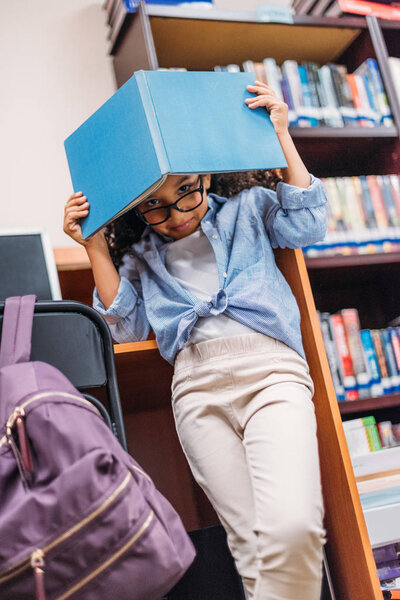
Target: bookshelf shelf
354	260
344	132
369	404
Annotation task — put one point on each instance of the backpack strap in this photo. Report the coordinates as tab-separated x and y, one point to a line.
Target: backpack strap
17	330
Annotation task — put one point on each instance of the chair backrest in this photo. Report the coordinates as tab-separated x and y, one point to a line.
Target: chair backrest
75	339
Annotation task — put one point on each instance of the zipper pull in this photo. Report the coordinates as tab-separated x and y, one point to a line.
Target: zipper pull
22	452
37	564
24	445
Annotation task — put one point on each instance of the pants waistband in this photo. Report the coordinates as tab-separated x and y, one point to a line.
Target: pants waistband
238	344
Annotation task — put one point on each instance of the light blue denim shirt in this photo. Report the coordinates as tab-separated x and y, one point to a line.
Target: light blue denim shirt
243	232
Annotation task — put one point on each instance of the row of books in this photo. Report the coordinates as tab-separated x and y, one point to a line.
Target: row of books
364	363
325	95
363	216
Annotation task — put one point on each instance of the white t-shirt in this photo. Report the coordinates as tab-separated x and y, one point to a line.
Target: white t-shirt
192	262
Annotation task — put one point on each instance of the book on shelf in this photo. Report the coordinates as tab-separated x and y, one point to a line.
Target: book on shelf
344	357
331	353
360	365
158	123
363	216
372	361
394	66
370	69
362	436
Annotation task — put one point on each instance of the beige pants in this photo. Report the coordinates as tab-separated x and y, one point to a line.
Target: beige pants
245	418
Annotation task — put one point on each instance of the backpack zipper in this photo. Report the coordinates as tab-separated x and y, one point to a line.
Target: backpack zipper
37	563
109	561
24	564
19	411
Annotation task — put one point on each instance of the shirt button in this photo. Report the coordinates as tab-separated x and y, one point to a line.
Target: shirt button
215	237
224	275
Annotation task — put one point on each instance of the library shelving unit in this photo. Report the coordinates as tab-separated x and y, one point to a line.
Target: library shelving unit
197	39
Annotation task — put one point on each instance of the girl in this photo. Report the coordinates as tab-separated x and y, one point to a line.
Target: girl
200	272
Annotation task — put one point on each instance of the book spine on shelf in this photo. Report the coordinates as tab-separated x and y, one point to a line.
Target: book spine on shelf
395	340
379	92
367	107
377	202
388	200
356	437
332	113
367	201
370	355
331	353
374	441
395	189
288	98
354	88
315	100
309	110
290	73
394	374
259	72
274	76
352	328
345	362
152	120
383	369
345	103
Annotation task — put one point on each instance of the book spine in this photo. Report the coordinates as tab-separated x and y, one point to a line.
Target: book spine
352	328
351	79
274	76
331	353
348	114
345	362
390	360
151	115
395	188
315	102
370	355
367	201
351	112
291	73
287	96
380	355
380	93
309	110
374	441
377	202
367	111
395	340
333	116
390	206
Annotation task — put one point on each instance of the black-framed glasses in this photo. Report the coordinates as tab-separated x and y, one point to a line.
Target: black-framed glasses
185	203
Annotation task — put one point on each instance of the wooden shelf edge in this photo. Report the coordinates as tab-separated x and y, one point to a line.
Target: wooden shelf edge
353	260
71	258
369	404
147	345
245	16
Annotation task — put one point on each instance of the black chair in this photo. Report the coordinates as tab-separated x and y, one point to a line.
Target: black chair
75	339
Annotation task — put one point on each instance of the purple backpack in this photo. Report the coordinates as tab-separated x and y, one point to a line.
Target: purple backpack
79	518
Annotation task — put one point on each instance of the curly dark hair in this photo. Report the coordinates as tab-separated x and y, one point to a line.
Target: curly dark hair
125	231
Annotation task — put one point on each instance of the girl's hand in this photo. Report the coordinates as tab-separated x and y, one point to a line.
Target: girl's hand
77	207
278	110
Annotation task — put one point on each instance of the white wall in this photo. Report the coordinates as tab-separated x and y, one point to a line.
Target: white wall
54	73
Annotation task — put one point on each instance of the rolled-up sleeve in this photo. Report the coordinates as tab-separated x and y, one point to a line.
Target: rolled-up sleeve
126	316
294	217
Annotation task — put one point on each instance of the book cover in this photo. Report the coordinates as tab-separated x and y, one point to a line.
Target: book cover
356	437
332	113
166	122
374	441
343	94
394	374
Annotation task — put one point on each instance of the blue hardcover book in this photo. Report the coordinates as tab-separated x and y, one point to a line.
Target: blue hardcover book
166	122
373	366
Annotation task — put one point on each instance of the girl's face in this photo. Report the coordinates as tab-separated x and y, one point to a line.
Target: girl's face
179	224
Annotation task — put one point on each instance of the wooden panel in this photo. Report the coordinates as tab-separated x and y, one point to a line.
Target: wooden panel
349	552
199	44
